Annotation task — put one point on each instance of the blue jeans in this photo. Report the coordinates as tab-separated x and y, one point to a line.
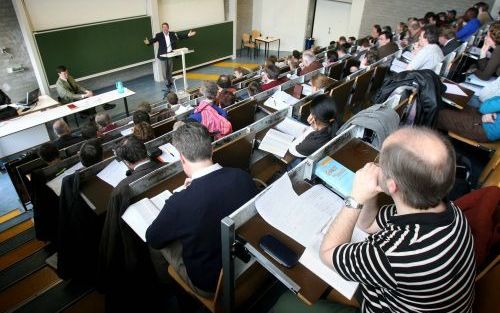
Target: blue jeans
474	102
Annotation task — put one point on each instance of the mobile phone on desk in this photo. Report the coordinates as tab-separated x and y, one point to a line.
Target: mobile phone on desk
279	251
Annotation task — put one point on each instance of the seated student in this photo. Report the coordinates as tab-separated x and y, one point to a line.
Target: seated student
296	55
89	130
43	198
451	16
224	83
351	40
141	116
342	42
489	67
386	46
272	59
124	263
375	32
226	98
414	31
370	58
144	132
319	81
104	123
209	114
309	63
188	226
429	54
480	125
324	125
63	132
387	28
254	88
401	31
342	53
471	26
240	72
419	256
91	152
483	15
447	40
331	57
172	99
431	18
292	63
363	47
270	77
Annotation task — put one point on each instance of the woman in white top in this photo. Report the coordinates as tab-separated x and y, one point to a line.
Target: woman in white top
429	54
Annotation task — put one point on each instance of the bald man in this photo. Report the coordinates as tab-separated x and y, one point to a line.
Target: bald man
64	136
419	256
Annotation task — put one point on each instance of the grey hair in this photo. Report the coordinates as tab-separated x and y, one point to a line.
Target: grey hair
102	119
61	128
308	56
422	184
209	89
193	141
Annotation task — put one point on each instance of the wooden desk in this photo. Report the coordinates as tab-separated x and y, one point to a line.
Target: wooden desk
462	101
44	102
98	193
312	287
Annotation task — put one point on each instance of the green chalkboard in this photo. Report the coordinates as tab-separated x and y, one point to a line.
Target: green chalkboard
210	43
95	48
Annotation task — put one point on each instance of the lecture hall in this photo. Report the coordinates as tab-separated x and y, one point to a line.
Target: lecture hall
249	156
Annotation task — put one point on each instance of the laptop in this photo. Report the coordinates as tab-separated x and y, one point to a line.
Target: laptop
31	98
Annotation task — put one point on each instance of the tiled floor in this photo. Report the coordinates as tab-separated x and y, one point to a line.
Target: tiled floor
146	89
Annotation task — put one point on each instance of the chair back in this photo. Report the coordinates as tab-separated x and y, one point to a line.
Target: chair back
362	82
336	71
378	78
242	115
340	95
245	37
256	33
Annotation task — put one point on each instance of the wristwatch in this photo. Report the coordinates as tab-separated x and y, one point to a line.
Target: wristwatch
350	203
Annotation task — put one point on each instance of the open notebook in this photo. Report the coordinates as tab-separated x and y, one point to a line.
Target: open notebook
278	139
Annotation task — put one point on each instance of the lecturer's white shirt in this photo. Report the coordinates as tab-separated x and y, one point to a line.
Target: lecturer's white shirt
168	43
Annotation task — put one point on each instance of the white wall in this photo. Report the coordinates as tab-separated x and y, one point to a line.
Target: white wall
331	21
285	19
495	8
49	14
184	14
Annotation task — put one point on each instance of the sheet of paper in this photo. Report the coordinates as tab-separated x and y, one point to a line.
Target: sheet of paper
114	173
407	55
473	79
398	66
159	199
454	90
472	87
56	183
276	142
140	215
127	131
291	127
280	100
307	90
169	153
299	217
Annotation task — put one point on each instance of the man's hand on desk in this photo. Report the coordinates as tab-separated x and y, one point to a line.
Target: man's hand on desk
191	33
88	93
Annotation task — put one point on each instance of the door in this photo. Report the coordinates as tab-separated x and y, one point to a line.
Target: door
331	21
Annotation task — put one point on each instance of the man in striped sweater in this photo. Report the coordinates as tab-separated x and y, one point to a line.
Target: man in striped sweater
420	254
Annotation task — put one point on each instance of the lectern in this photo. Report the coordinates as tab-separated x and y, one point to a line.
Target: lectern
182	52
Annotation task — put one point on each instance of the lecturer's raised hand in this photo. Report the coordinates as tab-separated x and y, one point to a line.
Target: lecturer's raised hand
146	41
191	33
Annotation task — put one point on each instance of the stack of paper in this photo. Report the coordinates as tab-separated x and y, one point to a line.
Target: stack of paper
306	219
127	131
140	215
276	142
474	80
55	184
169	153
114	173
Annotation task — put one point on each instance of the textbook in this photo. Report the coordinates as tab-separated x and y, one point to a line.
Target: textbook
335	175
56	183
140	215
291	127
276	142
169	153
280	100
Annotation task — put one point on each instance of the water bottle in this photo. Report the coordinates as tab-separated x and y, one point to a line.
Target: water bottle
119	87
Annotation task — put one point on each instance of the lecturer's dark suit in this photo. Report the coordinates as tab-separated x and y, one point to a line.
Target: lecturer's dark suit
163	48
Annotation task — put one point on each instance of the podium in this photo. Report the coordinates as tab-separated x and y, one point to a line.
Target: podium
180	52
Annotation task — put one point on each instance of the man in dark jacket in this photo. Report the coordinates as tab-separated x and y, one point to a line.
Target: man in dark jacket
167	42
447	40
188	226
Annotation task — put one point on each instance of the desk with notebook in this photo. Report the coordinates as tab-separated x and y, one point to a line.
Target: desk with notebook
456	93
250	226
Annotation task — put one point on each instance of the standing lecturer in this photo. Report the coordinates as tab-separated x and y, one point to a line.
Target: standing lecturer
167	41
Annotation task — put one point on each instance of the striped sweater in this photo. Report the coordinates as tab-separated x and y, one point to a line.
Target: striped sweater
417	263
